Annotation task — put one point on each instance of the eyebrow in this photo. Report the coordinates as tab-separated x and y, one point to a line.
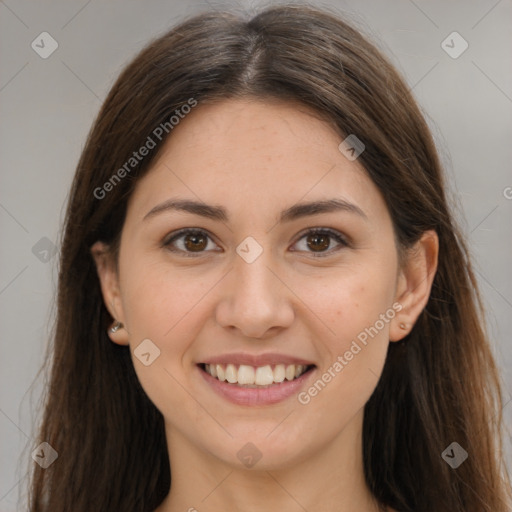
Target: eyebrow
296	211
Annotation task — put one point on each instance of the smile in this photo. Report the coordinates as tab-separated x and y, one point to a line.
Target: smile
255	377
249	385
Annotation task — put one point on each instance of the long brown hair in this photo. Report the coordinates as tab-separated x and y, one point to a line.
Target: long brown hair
439	385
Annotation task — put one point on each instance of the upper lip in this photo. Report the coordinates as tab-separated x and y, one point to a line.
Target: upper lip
256	360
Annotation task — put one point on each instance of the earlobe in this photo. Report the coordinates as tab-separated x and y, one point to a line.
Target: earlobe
415	283
109	283
118	334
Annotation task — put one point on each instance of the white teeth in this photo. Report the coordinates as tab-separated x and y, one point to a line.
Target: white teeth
246	374
264	376
221	375
290	372
231	373
250	376
279	373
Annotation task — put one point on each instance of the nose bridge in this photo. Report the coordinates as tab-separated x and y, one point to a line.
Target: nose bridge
253	281
255	300
255	275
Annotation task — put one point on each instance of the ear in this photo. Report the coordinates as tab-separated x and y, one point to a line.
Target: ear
109	281
414	284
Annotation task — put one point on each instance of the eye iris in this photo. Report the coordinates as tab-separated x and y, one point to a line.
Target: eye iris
318	241
198	241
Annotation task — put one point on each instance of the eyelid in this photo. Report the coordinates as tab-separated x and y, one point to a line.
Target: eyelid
334	234
171	237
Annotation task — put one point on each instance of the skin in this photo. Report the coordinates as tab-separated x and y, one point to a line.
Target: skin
256	159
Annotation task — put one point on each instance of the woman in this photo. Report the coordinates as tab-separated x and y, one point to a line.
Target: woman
264	301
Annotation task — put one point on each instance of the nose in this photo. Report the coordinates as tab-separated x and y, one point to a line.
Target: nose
254	299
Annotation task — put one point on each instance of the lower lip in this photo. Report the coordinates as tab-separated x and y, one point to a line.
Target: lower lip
254	396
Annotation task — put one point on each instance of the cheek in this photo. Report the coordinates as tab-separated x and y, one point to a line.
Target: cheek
350	302
356	305
159	299
162	306
353	356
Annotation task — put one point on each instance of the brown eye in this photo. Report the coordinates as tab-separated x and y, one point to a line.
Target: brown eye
195	242
318	242
190	242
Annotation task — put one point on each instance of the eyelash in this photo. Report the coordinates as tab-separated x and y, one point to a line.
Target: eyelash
313	231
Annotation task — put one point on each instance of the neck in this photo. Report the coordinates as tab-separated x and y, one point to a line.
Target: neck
330	479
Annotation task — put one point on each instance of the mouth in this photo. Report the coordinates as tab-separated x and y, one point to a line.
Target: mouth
256	377
256	385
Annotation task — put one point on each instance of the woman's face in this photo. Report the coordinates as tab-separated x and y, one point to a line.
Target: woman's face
251	286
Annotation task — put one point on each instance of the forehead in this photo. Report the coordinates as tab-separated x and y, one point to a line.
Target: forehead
255	155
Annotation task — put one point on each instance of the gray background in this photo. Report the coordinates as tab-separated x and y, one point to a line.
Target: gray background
48	105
